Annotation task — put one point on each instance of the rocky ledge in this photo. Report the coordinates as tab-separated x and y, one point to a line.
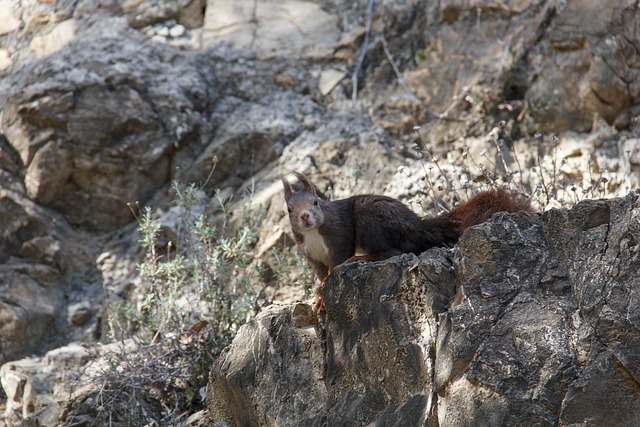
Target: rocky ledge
530	320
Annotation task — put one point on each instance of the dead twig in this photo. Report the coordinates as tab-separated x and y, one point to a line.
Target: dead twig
363	52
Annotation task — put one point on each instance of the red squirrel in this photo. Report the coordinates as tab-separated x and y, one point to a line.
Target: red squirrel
370	227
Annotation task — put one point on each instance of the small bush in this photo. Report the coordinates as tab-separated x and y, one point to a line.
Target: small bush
200	286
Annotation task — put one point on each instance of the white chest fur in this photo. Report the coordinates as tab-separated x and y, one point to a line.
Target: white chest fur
315	247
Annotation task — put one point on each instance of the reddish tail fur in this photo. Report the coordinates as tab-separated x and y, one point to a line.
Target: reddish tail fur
482	207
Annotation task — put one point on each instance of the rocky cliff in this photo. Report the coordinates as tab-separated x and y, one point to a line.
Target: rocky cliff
530	320
106	102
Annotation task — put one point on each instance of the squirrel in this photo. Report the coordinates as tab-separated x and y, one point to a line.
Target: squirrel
372	227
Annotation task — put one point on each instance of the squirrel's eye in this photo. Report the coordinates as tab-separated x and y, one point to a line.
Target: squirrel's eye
289	209
315	203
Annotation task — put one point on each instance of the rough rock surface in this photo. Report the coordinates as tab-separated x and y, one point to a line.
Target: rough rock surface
587	64
95	124
33	267
565	60
104	102
271	28
287	360
520	324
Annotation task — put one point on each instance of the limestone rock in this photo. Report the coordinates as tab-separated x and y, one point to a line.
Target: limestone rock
287	360
33	265
271	28
9	22
252	135
587	67
520	324
567	60
53	41
378	344
96	124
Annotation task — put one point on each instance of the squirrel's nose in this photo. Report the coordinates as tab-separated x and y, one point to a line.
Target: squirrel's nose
304	217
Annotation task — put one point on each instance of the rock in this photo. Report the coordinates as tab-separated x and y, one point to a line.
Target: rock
53	41
329	79
141	13
5	60
252	135
454	67
94	129
237	397
88	8
517	325
119	111
567	60
271	28
177	31
375	356
79	314
38	389
586	68
192	15
9	22
33	266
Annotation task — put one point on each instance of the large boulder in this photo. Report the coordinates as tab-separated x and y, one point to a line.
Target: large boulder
531	320
96	123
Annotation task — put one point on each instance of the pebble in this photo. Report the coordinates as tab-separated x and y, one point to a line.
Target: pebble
168	32
177	31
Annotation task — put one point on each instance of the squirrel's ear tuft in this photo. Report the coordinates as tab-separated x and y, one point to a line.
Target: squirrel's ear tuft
308	185
288	191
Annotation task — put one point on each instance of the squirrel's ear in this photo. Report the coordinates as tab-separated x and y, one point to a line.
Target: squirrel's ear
308	185
288	191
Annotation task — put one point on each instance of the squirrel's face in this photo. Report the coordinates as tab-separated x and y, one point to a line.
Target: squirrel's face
305	211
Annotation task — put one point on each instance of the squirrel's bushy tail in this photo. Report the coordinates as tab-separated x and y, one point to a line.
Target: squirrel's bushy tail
446	229
482	207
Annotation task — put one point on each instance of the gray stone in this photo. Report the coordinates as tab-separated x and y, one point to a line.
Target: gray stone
238	397
97	126
177	31
271	28
33	266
